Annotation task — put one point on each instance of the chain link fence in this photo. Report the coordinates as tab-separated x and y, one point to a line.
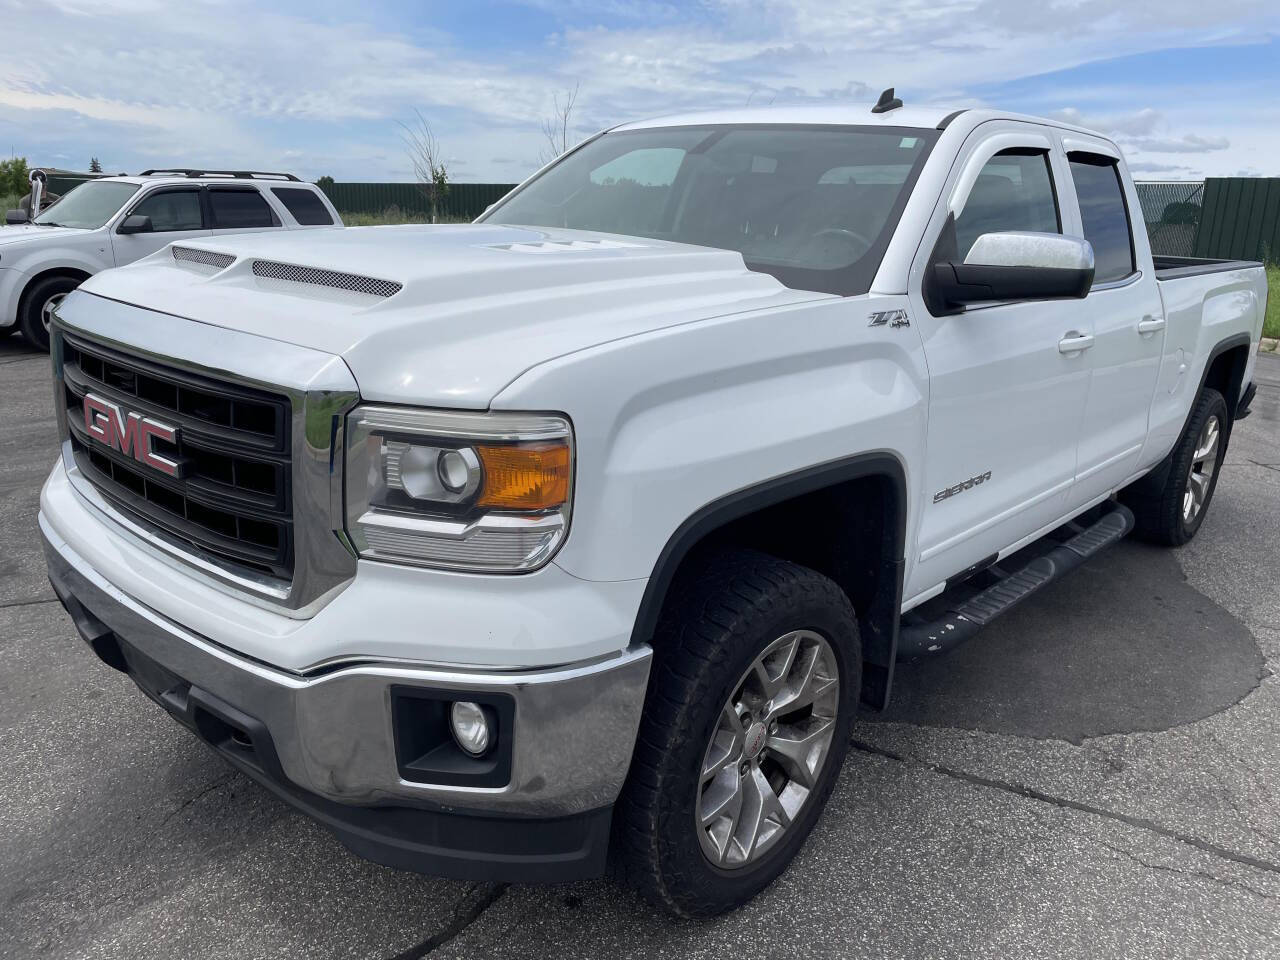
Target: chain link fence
1171	210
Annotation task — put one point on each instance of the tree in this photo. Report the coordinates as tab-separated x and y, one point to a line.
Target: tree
555	129
13	176
94	165
324	183
429	167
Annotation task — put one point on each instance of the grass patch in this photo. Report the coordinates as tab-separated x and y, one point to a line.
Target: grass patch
393	215
1271	326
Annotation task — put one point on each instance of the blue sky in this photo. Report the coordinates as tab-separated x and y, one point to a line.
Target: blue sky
1188	88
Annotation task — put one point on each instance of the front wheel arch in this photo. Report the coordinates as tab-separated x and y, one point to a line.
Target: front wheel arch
845	519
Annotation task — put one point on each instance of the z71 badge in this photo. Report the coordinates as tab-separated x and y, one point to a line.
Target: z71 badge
892	318
961	487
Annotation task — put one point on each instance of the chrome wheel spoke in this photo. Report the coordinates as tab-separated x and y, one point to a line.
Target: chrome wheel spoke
725	746
763	817
1207	448
810	686
801	752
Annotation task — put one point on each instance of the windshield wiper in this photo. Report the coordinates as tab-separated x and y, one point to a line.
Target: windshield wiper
46	223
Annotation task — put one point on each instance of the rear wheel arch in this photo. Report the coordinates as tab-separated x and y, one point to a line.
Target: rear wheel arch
845	519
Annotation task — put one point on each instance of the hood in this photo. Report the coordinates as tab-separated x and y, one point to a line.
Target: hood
443	315
29	231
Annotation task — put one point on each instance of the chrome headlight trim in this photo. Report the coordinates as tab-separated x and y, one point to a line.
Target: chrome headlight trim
493	541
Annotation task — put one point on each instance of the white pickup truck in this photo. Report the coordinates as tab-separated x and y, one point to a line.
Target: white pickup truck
113	221
577	535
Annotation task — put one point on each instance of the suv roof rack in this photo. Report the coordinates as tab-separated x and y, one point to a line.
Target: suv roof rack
230	174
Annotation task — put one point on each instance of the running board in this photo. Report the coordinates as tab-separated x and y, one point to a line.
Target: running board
965	619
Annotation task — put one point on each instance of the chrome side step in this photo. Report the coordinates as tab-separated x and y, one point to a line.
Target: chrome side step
966	618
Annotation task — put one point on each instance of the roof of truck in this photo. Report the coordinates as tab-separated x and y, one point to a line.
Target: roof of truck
923	116
175	178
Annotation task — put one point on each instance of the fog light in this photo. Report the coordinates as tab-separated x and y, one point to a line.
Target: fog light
470	727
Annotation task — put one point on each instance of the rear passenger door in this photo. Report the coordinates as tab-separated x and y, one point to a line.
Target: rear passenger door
240	208
176	214
1005	392
1126	311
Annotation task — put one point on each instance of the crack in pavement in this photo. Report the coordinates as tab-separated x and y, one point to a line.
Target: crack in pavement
27	603
221	781
1200	874
466	912
1021	790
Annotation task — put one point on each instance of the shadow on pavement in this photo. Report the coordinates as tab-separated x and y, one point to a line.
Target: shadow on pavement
1124	644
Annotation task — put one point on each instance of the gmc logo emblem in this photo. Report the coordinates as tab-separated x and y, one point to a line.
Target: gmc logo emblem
132	434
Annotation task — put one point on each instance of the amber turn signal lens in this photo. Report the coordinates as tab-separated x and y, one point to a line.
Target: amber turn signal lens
531	476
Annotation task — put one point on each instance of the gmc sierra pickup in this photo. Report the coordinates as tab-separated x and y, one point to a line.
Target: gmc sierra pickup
577	535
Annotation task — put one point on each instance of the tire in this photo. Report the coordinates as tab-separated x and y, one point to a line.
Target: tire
42	295
711	634
1171	514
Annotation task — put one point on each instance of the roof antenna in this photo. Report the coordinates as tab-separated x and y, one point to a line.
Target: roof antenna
886	102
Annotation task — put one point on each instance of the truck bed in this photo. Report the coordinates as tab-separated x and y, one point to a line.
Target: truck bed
1172	268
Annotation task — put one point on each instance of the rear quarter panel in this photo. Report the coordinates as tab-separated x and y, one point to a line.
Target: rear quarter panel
670	421
1200	312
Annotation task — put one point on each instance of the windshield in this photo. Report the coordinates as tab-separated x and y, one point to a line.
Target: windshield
87	206
813	206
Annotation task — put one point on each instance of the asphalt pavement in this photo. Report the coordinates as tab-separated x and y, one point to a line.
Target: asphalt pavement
1096	775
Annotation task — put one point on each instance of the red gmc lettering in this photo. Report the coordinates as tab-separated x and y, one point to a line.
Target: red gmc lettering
131	434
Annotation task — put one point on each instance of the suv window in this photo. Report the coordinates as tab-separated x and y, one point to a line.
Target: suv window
1105	215
240	209
304	205
171	210
1014	191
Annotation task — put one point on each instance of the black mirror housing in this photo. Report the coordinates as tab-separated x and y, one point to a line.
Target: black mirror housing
957	284
13	217
135	223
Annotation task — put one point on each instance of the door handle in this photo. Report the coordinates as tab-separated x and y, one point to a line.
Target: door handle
1074	342
1150	325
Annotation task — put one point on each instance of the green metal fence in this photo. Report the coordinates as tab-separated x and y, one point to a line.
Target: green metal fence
1241	219
463	201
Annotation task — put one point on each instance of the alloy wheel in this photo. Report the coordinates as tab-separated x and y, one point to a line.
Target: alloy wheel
768	751
1203	463
50	305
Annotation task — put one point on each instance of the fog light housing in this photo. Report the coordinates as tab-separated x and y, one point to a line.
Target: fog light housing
471	727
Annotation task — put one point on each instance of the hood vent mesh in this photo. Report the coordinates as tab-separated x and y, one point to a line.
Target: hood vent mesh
205	258
370	286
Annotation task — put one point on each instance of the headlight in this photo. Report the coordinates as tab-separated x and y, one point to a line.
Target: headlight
487	492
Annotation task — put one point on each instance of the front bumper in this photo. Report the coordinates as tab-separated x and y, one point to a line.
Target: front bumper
326	742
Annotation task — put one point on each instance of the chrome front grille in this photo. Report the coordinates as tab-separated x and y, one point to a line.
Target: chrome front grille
233	499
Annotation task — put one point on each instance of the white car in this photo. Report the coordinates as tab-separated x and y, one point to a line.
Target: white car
112	221
582	531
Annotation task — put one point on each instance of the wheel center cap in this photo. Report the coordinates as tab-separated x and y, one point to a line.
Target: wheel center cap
756	735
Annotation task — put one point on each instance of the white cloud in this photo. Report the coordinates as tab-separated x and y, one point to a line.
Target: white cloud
232	83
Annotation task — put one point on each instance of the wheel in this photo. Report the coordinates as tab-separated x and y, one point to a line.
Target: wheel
756	678
38	305
1171	514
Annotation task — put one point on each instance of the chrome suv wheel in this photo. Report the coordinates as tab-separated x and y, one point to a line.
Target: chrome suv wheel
1204	465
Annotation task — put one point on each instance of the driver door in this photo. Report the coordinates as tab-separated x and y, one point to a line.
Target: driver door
1005	397
176	213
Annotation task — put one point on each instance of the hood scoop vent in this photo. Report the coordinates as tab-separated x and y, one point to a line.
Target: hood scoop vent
292	273
210	260
566	246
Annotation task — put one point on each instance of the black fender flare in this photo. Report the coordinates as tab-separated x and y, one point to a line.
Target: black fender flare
879	624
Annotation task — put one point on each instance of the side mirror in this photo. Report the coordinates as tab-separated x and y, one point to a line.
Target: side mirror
12	217
135	223
1016	266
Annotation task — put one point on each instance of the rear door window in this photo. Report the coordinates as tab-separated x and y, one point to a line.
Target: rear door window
1014	192
304	205
1105	215
240	209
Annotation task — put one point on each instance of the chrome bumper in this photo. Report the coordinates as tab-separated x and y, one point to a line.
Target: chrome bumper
573	733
